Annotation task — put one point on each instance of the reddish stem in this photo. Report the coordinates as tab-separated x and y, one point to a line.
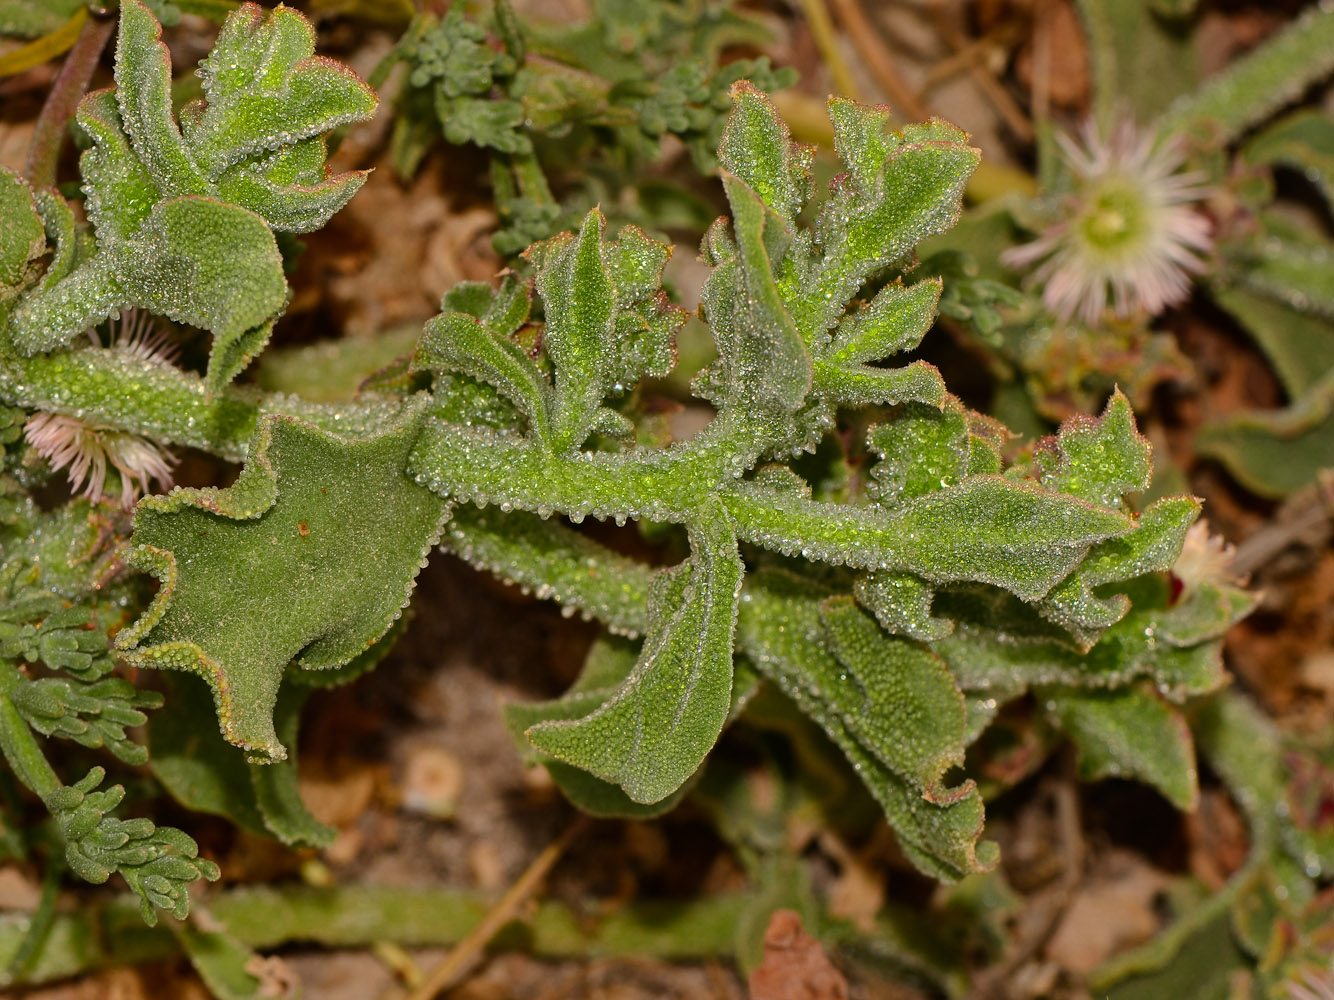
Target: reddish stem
49	135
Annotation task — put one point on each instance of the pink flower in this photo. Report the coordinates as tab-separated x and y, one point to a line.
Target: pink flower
86	451
1132	235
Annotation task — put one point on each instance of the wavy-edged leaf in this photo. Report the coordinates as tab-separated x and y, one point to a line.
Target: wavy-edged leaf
608	665
1274	453
212	265
22	235
1304	141
901	604
315	548
143	91
291	188
938	833
907	709
923	449
1098	458
987	529
772	360
895	320
456	341
1151	548
756	147
654	732
1128	734
266	89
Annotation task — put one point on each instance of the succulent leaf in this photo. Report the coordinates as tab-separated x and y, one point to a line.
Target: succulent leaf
655	730
320	539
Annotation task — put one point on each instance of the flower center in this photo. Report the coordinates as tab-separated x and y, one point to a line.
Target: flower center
1114	216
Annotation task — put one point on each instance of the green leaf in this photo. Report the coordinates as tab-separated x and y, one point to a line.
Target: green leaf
1151	548
757	148
143	92
608	665
896	696
1304	141
578	294
1299	275
209	264
654	732
183	220
319	539
1298	344
1126	734
1100	459
986	529
922	450
1259	83
1274	453
267	90
22	235
455	341
901	604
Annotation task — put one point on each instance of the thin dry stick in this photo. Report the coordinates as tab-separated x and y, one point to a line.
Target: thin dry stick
822	30
991	88
879	60
447	972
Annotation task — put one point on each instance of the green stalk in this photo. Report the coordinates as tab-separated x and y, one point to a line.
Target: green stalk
25	757
1261	82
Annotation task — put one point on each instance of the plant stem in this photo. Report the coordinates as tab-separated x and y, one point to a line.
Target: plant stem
68	90
25	757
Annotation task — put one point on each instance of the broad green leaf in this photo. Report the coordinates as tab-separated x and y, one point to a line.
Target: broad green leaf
895	695
1298	344
1274	453
1256	85
183	220
143	91
895	320
319	539
1151	548
654	732
1299	275
1127	733
938	833
901	604
209	264
874	219
987	529
1100	459
922	450
1304	141
756	148
227	966
608	665
577	292
267	90
455	341
22	235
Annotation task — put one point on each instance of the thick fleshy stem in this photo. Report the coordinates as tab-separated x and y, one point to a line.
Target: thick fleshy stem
68	90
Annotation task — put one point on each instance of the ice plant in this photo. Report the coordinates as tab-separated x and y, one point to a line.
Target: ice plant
1131	233
897	618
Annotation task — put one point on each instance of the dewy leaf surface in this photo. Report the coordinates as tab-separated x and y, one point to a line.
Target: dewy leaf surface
309	556
656	729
